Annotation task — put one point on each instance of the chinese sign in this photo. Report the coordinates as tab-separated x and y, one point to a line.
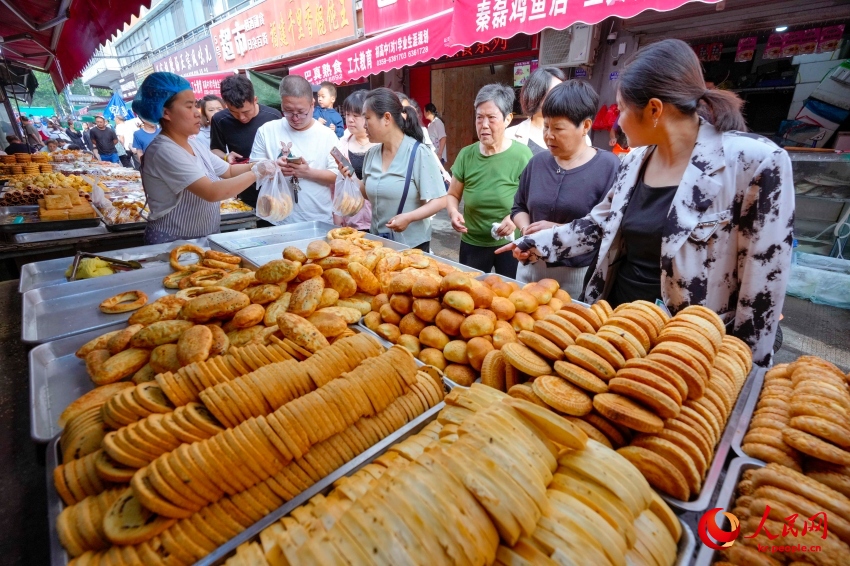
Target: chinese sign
381	15
746	49
709	51
523	70
203	85
196	59
274	29
415	43
483	20
815	40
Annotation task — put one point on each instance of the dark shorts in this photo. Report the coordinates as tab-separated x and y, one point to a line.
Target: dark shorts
485	259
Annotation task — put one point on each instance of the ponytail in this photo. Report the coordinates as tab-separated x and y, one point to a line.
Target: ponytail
384	101
670	71
723	109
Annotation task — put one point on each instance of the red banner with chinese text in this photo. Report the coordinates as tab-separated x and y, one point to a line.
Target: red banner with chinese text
415	43
210	83
274	29
483	20
381	15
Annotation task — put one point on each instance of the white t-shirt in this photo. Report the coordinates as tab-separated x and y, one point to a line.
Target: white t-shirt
127	129
437	131
168	169
313	144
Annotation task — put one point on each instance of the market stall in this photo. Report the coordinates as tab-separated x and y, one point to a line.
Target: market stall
121	386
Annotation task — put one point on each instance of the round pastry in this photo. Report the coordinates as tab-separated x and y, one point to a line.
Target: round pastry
124	302
185	248
192	292
221	256
223	265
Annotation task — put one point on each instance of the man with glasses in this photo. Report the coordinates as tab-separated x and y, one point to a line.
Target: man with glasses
232	133
307	140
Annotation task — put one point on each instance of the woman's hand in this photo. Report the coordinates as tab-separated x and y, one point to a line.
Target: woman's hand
347	171
538	226
265	169
399	223
518	254
458	223
506	228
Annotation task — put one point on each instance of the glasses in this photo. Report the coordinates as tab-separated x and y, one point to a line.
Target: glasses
296	115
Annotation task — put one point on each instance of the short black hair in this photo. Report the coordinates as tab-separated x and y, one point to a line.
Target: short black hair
329	87
295	86
236	91
535	88
353	103
13	139
574	100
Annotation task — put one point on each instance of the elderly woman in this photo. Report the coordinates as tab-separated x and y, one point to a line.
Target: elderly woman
401	177
726	199
531	97
183	180
486	174
564	183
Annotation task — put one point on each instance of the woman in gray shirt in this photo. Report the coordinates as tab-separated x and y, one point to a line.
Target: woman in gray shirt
403	218
564	183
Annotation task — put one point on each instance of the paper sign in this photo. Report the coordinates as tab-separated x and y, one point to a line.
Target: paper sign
774	47
809	41
830	38
746	49
791	43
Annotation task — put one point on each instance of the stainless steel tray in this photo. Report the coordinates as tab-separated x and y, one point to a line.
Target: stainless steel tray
7	213
233	242
50	313
58	556
713	477
57	378
52	271
260	255
726	498
53	235
747	414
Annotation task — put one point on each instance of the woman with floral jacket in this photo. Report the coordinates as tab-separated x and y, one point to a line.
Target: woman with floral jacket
700	213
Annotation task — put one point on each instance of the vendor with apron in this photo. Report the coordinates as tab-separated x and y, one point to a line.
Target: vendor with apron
183	180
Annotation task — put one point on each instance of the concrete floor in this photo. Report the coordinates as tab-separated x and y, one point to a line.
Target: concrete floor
808	328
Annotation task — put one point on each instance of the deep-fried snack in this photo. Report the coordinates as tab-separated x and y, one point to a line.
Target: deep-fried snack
580	377
158	333
121	340
172	280
174	258
124	302
771	454
94	398
815	447
222	265
99	343
300	331
220	343
278	271
203	278
328	323
306	297
218	304
342	281
460	374
263	294
238	279
164	358
294	254
318	249
626	412
476	350
562	395
221	256
194	345
121	365
658	471
365	279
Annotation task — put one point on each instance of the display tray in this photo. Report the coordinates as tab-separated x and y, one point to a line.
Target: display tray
52	271
237	215
260	255
54	235
128	226
747	415
712	478
58	556
50	313
32	223
233	242
726	499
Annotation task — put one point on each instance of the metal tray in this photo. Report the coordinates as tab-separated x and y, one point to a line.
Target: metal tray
58	556
712	478
233	242
50	313
747	414
57	378
238	215
260	255
52	271
54	235
46	226
725	499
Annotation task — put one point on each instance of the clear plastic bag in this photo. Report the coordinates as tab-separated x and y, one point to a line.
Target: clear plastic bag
274	202
347	197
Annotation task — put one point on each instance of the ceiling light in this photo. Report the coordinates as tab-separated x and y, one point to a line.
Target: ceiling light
782	28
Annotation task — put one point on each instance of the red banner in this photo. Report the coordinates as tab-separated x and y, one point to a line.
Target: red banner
483	20
274	29
381	15
196	59
203	85
415	43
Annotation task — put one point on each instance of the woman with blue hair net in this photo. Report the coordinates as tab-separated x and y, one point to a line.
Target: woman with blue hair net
183	180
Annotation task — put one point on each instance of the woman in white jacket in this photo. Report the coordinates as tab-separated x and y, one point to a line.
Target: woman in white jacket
699	214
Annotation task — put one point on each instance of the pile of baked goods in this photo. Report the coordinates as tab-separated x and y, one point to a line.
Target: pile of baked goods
802	419
492	480
656	388
176	483
29	190
781	507
64	204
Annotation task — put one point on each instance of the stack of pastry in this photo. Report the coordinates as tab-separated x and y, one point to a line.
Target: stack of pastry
64	204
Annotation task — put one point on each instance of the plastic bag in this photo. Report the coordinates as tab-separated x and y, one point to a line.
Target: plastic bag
347	197
274	202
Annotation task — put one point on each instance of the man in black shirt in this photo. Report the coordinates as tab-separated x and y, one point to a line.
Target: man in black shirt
103	139
16	146
232	133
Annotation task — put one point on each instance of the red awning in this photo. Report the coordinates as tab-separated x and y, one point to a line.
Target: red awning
483	20
414	43
37	32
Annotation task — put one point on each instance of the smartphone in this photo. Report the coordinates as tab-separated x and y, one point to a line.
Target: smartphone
242	160
341	159
294	160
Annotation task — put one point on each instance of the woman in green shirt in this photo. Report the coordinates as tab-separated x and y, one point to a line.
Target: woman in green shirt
486	175
398	215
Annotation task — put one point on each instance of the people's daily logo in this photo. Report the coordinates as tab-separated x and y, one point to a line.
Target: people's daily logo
709	532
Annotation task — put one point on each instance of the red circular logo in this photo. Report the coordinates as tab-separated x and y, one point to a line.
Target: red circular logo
709	530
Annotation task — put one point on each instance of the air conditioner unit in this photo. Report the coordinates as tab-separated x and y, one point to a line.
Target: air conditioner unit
571	47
